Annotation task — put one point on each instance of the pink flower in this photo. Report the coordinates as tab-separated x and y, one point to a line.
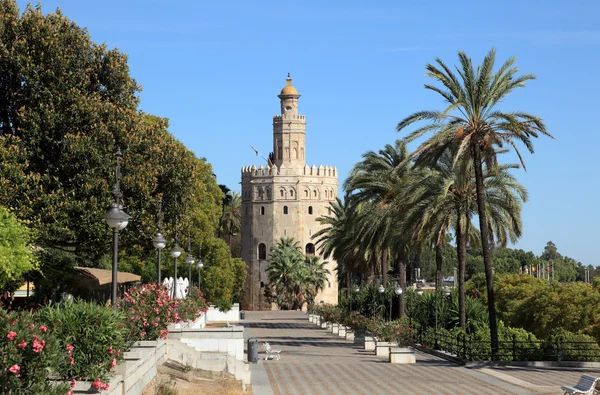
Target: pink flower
110	351
70	392
113	364
99	384
73	382
11	335
43	328
70	348
71	361
37	346
22	345
15	369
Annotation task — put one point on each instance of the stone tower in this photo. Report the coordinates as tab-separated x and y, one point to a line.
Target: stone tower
282	198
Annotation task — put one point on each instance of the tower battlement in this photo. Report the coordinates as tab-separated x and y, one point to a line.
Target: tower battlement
285	117
265	171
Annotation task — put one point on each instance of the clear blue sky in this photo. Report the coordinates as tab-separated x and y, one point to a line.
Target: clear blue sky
214	69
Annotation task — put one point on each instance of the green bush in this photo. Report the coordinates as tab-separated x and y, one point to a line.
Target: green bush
94	333
149	310
192	306
399	331
569	346
30	353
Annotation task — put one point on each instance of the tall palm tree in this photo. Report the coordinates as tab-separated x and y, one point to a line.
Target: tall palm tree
337	238
231	220
446	198
374	182
472	120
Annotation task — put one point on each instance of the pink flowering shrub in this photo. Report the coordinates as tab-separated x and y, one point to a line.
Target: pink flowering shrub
31	355
149	310
398	331
93	336
192	306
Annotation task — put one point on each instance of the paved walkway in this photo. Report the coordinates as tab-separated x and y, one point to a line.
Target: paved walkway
316	362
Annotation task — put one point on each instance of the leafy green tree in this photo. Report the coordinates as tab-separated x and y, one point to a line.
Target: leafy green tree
16	253
472	120
550	252
222	276
231	220
66	103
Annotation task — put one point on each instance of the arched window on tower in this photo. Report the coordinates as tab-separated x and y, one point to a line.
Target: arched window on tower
285	209
310	211
281	193
262	251
310	249
262	210
291	192
306	193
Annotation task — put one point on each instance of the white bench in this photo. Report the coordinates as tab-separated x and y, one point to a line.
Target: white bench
585	386
270	352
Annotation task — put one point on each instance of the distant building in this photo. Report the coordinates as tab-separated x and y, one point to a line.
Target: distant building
283	198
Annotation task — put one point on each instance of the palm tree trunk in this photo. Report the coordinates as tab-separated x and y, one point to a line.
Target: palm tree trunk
439	260
461	246
384	265
402	275
487	259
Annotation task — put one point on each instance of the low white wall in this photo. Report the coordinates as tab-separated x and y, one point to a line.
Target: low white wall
225	340
215	315
134	373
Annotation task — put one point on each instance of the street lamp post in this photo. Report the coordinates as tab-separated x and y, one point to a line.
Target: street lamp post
398	292
381	290
199	265
159	241
189	259
175	252
116	219
446	292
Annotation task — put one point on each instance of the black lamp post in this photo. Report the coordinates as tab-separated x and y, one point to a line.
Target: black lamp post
398	292
189	259
446	292
199	265
159	241
116	219
381	290
175	252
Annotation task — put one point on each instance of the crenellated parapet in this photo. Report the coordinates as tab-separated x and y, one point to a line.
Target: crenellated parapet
283	170
288	117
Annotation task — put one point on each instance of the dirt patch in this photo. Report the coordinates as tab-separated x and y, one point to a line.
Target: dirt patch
196	386
216	325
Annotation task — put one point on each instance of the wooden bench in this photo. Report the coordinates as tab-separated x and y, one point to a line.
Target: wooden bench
270	352
585	386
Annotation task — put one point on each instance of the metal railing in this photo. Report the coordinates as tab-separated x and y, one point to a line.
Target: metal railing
466	347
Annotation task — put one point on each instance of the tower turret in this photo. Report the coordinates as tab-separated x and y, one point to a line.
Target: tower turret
289	129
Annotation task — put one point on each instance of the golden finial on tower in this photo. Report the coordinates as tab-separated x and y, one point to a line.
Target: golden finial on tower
288	89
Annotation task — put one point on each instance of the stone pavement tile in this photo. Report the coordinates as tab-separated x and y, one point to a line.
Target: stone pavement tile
543	380
316	362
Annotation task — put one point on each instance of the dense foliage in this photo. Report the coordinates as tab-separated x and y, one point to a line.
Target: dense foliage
293	277
94	334
16	253
149	310
30	353
193	305
66	104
